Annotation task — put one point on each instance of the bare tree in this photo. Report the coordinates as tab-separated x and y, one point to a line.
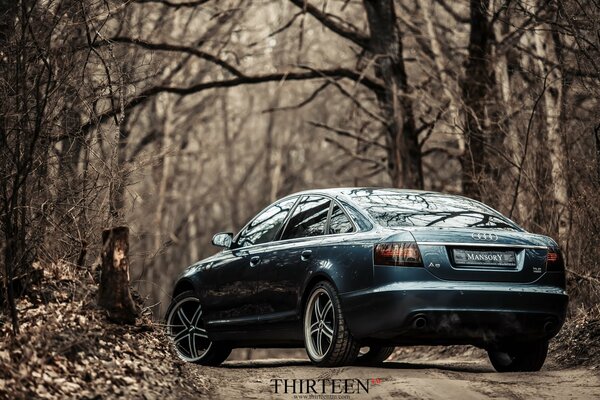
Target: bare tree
476	86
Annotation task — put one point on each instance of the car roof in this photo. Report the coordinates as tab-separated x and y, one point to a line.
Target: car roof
365	191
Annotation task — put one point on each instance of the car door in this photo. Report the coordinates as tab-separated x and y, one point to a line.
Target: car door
235	300
290	258
229	300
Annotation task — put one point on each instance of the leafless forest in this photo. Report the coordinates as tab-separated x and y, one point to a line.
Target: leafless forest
181	118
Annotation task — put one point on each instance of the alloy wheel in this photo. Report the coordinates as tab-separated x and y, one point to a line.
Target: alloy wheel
186	329
319	323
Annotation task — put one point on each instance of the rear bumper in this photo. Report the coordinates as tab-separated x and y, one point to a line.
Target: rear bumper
454	312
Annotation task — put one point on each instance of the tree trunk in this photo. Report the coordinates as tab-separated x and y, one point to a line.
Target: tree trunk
270	147
403	150
68	157
476	87
9	11
597	137
441	66
545	50
229	158
542	211
510	140
164	182
118	182
113	293
68	183
505	139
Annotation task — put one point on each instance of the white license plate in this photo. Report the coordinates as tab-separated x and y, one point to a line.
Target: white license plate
485	257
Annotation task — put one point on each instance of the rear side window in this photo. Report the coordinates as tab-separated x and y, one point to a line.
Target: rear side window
308	219
266	225
339	222
361	222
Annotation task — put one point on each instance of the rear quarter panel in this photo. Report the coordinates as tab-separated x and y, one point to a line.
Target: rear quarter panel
346	260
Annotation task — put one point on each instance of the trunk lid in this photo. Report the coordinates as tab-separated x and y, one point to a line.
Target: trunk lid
463	254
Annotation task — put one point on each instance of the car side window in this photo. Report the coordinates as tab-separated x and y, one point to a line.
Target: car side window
359	220
266	225
339	222
308	219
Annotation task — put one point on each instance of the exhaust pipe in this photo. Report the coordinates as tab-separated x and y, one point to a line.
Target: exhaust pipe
549	326
420	322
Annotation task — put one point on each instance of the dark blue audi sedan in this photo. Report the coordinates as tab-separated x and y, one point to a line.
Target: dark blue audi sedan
351	273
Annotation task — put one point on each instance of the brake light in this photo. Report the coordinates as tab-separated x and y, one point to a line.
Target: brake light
405	254
554	261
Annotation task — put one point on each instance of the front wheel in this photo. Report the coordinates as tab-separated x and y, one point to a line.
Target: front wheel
525	357
327	338
186	329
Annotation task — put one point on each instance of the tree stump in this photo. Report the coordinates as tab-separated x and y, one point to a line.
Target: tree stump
113	293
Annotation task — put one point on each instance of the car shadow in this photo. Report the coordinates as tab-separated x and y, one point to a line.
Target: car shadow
281	363
269	363
452	367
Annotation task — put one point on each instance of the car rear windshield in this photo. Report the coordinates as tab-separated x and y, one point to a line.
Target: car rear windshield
398	210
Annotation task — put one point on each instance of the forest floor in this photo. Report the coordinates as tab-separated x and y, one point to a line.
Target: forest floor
67	348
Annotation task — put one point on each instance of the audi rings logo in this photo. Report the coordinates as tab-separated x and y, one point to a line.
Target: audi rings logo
484	236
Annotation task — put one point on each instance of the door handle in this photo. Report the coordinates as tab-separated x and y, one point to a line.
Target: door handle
254	261
306	255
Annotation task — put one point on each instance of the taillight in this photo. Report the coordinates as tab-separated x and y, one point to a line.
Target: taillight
405	254
554	261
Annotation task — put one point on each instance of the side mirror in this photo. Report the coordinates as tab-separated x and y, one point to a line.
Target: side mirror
223	239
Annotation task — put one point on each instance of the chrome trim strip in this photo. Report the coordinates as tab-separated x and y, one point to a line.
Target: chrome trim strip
233	321
518	246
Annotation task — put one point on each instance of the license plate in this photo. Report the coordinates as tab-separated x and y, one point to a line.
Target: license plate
480	257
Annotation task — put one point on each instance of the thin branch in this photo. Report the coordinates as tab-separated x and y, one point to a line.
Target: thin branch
352	97
302	103
354	155
328	21
285	26
585	277
146	140
180	49
430	125
167	3
344	133
453	14
443	150
522	163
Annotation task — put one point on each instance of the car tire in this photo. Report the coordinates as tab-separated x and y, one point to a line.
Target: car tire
525	357
324	326
375	355
185	327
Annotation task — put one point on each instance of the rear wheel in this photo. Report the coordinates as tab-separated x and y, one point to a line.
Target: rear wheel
185	327
374	355
327	338
524	357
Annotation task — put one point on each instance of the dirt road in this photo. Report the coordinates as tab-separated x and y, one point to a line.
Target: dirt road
452	378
